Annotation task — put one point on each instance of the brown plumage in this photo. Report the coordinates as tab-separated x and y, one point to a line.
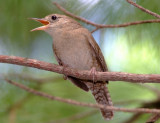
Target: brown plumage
75	47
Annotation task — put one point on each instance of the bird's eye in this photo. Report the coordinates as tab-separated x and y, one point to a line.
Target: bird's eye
54	17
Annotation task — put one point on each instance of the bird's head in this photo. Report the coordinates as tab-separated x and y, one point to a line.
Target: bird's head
54	22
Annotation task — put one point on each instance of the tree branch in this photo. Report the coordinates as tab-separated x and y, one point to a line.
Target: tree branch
143	9
31	78
75	117
133	118
154	118
153	89
81	74
151	104
73	102
98	26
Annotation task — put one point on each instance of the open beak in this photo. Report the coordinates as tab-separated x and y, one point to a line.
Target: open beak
42	21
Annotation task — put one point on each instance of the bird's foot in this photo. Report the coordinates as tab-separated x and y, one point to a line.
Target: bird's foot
62	71
93	74
64	77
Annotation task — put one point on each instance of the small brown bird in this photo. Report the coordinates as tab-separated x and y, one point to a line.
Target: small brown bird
75	47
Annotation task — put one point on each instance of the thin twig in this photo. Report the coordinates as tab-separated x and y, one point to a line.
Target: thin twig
81	74
17	105
128	102
151	104
31	78
12	111
153	89
95	29
12	116
75	117
98	26
154	118
143	9
133	118
73	102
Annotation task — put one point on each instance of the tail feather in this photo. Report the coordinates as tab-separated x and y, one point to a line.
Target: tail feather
102	96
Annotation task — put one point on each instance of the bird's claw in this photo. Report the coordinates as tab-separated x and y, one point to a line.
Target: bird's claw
64	77
93	74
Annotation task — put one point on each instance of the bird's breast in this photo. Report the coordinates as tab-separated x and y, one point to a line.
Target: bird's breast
75	51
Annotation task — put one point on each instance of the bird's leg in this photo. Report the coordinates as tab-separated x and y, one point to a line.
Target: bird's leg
93	74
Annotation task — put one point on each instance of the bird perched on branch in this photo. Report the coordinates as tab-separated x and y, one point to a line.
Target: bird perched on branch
75	47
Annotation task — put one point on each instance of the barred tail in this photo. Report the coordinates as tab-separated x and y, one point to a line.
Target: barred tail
102	96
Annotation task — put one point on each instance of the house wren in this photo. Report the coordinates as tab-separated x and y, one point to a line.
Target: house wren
75	47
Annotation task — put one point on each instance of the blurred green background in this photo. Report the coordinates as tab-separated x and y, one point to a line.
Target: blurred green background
133	49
